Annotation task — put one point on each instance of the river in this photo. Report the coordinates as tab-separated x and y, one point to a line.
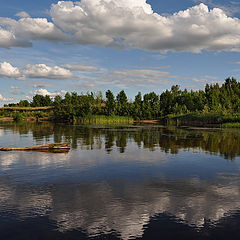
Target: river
120	182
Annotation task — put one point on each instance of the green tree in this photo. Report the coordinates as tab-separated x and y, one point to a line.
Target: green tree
151	106
122	104
24	103
41	101
110	103
137	107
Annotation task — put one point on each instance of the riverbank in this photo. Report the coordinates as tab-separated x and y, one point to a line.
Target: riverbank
99	120
211	120
204	120
26	113
83	120
27	119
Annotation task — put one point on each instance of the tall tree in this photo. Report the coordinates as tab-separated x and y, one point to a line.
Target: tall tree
122	104
110	103
137	106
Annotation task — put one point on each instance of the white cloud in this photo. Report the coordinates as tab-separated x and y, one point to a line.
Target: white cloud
22	14
38	29
33	29
4	99
148	78
44	71
15	90
8	39
45	92
136	77
231	7
126	23
81	67
133	24
40	84
7	70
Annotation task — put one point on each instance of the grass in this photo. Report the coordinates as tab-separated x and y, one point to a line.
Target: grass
25	109
17	115
231	125
210	118
203	118
104	119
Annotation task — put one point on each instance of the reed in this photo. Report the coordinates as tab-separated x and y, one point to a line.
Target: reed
104	119
231	125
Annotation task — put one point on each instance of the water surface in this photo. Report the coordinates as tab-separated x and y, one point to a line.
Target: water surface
120	182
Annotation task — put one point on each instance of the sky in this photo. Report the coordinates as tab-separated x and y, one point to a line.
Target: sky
51	47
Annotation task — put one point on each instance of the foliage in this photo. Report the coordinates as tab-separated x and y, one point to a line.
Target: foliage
122	104
41	101
104	119
231	125
24	103
110	104
214	104
17	116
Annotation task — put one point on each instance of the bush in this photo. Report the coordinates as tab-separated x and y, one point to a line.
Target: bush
17	116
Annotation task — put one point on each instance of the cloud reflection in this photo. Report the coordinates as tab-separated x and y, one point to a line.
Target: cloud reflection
126	208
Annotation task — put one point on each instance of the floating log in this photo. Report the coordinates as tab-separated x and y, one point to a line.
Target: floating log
54	147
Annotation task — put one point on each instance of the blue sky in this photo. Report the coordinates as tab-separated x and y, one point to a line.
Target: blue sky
52	47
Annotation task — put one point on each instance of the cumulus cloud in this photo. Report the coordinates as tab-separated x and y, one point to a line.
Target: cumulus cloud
7	70
22	14
33	29
44	71
45	92
91	78
8	40
34	71
126	23
134	24
231	7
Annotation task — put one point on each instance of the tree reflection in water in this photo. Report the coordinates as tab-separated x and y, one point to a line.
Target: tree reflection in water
169	139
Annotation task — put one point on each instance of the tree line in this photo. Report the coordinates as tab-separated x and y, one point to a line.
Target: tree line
213	99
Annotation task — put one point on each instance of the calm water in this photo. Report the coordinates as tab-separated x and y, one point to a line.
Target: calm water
120	182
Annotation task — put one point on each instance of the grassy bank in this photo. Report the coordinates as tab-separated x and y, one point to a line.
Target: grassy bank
25	115
25	109
104	119
204	119
231	125
22	113
190	119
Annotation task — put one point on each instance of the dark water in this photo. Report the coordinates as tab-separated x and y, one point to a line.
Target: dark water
120	182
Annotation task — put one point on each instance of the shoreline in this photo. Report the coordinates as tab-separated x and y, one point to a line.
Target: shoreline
28	119
189	120
189	124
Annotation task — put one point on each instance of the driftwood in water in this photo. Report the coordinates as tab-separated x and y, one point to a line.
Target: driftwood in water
54	147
